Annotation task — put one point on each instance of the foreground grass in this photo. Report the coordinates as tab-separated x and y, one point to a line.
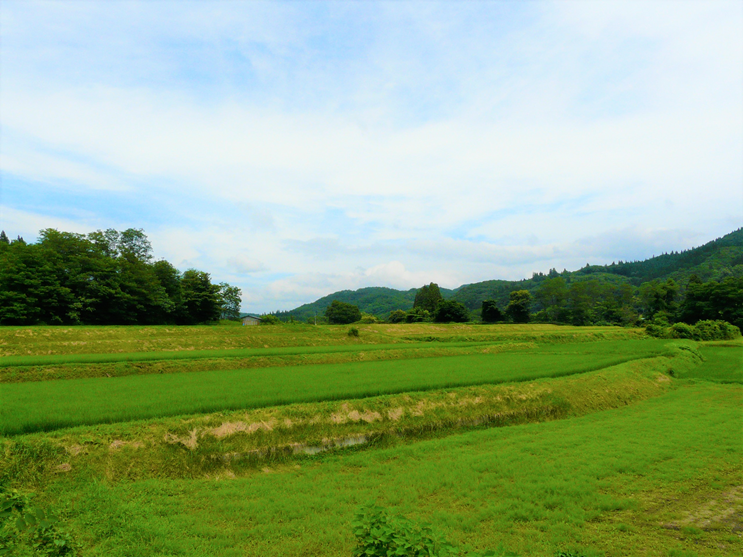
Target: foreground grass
43	406
723	363
631	481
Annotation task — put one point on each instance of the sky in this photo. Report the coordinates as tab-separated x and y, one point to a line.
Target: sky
295	149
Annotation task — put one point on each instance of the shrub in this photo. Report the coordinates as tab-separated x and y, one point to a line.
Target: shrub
24	526
715	330
270	320
377	534
397	316
417	315
703	330
656	331
353	332
682	330
368	318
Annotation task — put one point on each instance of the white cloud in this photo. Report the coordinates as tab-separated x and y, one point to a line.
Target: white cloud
245	265
348	145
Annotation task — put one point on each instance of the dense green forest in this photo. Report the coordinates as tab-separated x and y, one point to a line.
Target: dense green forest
375	300
103	278
620	293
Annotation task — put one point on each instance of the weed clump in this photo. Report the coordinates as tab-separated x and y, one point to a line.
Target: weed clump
377	533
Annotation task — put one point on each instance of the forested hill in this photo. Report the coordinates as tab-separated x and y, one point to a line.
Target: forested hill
712	261
376	300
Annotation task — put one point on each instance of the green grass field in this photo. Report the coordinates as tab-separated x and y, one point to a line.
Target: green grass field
525	440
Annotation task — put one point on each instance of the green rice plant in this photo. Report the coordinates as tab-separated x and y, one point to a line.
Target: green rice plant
62	359
49	405
28	341
13	374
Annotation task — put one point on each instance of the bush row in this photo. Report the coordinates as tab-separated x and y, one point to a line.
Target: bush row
702	330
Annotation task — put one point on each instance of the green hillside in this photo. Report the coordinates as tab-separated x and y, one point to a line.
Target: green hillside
376	300
714	260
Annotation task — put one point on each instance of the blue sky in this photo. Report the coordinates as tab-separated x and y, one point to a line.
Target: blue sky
299	148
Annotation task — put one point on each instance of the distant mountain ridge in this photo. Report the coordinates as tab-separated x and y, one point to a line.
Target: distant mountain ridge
714	260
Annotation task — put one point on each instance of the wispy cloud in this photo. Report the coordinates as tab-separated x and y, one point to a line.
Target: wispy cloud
298	148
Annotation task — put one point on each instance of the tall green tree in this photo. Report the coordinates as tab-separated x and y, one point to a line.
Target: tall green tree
230	300
428	297
659	297
490	312
518	306
200	298
551	296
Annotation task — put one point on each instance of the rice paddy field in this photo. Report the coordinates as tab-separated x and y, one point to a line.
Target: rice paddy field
225	440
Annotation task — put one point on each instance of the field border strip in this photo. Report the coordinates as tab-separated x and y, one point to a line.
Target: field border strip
117	357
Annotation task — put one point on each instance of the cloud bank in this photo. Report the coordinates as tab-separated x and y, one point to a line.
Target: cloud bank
294	149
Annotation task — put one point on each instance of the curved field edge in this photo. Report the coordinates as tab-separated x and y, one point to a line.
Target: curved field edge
226	443
49	405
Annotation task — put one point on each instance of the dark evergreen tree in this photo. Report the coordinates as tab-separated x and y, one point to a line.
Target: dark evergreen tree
200	298
490	312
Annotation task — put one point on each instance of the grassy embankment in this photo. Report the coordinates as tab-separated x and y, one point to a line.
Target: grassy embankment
525	488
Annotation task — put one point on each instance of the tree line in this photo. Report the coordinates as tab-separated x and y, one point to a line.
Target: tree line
584	302
105	277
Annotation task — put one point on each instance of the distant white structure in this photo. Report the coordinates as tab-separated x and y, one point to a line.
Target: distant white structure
250	319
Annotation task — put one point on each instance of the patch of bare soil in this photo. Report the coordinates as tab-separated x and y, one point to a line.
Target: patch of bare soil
230	428
396	413
118	444
723	511
190	442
